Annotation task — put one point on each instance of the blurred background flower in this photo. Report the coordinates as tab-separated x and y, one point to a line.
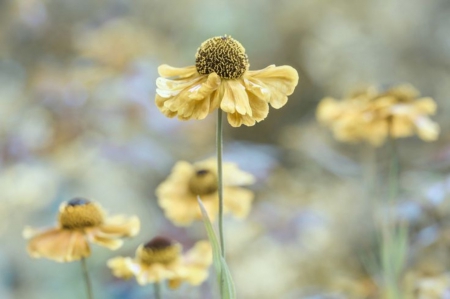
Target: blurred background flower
77	118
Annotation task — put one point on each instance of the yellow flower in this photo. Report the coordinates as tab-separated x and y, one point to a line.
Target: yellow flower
79	222
161	259
220	78
177	195
372	116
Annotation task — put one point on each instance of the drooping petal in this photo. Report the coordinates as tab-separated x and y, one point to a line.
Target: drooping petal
120	267
233	176
328	110
427	129
235	98
196	263
168	71
426	105
59	245
279	82
96	237
259	108
120	226
237	201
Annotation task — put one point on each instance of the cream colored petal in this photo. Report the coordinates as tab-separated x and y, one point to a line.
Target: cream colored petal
120	267
280	81
95	236
427	129
160	104
426	106
182	211
237	201
196	263
59	245
216	98
401	126
211	204
169	71
235	98
205	89
120	226
29	232
259	107
167	88
199	255
233	176
235	119
328	110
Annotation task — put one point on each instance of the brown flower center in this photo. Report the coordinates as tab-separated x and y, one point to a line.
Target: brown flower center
203	182
80	213
222	55
159	250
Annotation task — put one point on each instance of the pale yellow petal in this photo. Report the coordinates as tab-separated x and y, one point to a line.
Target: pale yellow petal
59	245
237	201
120	226
120	267
96	237
328	110
426	106
205	89
427	129
196	263
279	81
169	71
233	176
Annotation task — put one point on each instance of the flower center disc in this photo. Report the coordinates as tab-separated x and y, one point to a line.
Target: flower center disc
80	213
222	55
203	182
159	250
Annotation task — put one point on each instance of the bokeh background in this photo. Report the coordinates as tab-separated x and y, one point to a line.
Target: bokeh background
77	118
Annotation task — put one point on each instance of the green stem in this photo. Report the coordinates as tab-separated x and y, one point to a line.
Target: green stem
86	278
219	145
157	290
395	235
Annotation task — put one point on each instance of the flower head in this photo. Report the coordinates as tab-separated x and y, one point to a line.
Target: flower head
80	221
372	116
162	259
177	195
221	79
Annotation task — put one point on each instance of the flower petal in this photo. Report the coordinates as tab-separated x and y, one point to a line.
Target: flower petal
237	201
120	266
96	237
279	82
59	245
169	71
120	226
235	98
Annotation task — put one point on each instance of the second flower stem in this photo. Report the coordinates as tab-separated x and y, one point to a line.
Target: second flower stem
157	290
86	278
219	146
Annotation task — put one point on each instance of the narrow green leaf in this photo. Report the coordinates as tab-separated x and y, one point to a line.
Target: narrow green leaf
227	286
228	289
212	239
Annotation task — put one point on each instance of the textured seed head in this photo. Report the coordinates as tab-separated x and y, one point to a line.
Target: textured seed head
222	55
80	213
203	182
159	250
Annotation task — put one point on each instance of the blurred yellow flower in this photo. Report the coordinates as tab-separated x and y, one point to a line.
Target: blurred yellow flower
177	195
79	222
161	259
372	116
220	78
102	43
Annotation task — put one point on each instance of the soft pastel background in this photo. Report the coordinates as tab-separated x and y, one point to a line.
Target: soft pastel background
77	118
